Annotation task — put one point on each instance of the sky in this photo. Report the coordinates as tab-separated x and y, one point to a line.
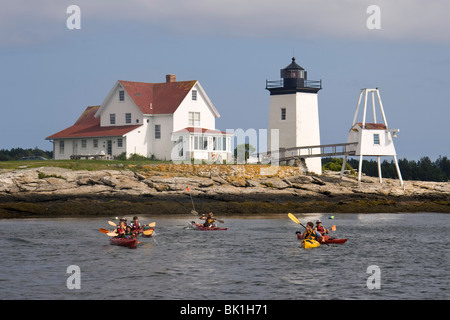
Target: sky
50	73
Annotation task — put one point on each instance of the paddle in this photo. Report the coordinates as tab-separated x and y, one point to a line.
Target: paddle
192	211
147	232
112	224
103	230
294	218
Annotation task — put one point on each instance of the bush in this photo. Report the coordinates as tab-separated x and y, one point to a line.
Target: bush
335	164
132	157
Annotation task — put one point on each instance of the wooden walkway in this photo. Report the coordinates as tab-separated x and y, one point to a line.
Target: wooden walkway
324	150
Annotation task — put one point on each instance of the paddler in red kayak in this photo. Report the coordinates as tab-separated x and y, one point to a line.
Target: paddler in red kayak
121	229
209	220
320	228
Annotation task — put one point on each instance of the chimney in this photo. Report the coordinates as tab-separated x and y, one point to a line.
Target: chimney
171	78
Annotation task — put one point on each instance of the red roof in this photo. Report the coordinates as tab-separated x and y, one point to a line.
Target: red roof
200	130
157	98
378	126
89	126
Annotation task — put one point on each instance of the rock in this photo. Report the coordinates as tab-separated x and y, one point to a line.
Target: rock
275	182
281	188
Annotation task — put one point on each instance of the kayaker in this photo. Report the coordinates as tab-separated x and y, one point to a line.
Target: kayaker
209	220
128	232
320	228
135	225
310	232
121	229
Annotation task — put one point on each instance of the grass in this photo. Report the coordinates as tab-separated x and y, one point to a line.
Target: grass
91	165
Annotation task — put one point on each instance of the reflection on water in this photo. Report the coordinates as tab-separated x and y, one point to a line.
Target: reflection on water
258	257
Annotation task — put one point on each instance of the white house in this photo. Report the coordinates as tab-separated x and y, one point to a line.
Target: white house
173	120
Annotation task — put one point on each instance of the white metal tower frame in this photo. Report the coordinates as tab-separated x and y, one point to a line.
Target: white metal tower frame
366	92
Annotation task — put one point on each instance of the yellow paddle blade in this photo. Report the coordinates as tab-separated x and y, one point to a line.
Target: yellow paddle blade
112	234
112	224
147	232
333	228
153	224
293	218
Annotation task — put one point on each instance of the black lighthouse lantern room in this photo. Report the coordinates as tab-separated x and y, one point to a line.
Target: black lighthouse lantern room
293	79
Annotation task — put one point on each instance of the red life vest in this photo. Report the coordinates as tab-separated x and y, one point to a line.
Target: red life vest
321	229
135	226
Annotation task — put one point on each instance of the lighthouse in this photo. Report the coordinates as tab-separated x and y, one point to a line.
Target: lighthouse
294	112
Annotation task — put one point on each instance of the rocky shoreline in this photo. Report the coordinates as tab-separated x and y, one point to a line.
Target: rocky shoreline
223	189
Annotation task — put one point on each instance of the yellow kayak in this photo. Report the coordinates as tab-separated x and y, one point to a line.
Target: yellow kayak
308	244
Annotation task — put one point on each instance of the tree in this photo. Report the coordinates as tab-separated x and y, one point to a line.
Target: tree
242	152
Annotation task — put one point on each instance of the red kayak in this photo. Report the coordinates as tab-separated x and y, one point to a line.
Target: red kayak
131	243
201	227
325	239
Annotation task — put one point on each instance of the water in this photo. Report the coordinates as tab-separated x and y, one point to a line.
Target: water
256	258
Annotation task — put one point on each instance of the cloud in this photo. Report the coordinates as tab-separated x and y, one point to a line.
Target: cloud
411	20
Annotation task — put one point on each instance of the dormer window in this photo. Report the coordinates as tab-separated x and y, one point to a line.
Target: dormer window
121	95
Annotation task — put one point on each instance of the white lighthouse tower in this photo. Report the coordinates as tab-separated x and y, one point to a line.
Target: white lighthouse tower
294	111
372	139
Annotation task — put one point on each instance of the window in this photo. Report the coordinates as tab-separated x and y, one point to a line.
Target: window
121	95
283	113
200	143
180	147
112	118
194	95
157	131
376	138
83	144
61	147
194	119
119	142
127	117
224	144
196	143
95	142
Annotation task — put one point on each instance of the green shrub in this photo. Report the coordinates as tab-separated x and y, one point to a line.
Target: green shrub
336	165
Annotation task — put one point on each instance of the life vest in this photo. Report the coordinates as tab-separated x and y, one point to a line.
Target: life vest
321	229
310	234
209	222
120	231
135	226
